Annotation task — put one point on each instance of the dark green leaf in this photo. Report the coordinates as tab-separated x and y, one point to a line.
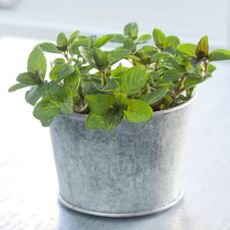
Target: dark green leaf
34	94
28	78
37	62
156	96
138	111
46	110
219	55
171	75
17	87
67	105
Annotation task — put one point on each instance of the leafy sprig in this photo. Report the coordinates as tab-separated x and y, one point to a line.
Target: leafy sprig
86	78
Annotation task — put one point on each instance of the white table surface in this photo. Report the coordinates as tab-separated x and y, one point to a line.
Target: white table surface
28	186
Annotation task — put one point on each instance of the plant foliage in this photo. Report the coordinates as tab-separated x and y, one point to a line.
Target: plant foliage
86	78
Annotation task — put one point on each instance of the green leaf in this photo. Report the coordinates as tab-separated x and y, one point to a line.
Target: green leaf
118	38
46	110
37	62
192	82
61	71
172	41
188	49
159	38
83	41
100	103
219	55
95	121
100	58
117	55
113	118
138	111
73	36
62	41
67	106
171	75
202	47
17	87
131	30
103	40
34	94
130	45
144	38
28	78
134	79
153	97
49	47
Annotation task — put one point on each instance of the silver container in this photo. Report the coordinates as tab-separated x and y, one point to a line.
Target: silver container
133	170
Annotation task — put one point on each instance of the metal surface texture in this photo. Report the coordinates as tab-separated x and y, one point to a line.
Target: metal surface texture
132	170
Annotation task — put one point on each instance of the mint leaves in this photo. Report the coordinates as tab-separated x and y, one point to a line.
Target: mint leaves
142	74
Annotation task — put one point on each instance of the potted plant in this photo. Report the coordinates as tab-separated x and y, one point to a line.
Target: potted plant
117	117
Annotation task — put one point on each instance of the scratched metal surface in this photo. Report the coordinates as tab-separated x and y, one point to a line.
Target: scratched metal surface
28	185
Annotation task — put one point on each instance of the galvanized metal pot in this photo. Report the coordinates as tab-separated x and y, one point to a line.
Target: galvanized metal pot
132	170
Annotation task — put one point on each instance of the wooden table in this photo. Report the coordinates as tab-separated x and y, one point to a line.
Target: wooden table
28	186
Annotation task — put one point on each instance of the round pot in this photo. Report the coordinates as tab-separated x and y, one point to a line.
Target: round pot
133	170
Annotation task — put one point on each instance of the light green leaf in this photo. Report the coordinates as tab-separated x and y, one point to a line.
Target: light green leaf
138	111
62	41
219	55
172	41
34	94
37	62
159	38
118	38
73	36
188	49
131	30
117	55
95	121
100	103
49	47
17	87
83	41
28	78
46	110
153	97
103	40
134	79
144	38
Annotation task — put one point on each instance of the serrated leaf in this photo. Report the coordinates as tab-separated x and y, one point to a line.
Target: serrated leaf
138	111
28	78
188	49
219	55
134	79
46	110
155	96
131	30
49	47
34	94
37	62
117	55
17	87
159	38
100	103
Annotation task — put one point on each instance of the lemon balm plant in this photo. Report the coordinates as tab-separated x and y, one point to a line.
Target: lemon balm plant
85	78
105	166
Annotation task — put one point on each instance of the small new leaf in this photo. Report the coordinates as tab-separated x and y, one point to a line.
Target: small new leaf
202	48
62	41
159	38
131	30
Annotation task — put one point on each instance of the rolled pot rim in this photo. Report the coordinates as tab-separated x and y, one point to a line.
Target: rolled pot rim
80	116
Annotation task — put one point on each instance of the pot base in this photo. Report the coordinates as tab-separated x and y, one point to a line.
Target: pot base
121	215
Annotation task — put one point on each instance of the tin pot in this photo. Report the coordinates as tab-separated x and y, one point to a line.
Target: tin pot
133	170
